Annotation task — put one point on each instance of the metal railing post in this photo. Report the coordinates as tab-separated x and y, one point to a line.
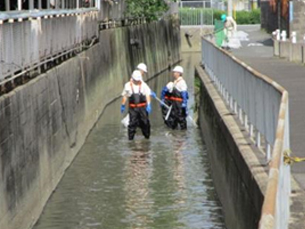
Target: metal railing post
19	5
258	139
31	4
251	130
7	5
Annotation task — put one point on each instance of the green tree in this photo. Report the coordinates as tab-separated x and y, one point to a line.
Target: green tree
152	10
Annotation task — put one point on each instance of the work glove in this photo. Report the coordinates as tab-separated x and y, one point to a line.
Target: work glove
122	108
163	93
153	94
185	97
148	108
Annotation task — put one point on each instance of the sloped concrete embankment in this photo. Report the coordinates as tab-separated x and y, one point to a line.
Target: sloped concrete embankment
239	178
45	122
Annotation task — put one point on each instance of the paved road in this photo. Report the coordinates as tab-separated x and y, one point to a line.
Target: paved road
291	76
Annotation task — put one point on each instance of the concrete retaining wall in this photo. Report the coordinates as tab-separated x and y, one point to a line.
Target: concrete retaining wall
45	122
238	176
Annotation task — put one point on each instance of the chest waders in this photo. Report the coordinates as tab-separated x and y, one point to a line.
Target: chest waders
168	102
138	116
178	113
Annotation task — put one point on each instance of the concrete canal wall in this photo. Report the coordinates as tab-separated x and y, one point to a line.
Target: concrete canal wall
238	176
193	43
45	122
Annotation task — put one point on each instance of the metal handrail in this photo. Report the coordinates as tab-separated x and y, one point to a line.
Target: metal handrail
16	15
275	210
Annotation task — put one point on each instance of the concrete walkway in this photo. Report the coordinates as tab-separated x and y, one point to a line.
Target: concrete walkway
291	76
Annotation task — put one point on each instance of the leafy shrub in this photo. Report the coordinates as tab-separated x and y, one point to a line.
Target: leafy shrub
152	10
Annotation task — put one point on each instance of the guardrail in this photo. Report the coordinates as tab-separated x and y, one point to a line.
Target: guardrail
19	5
262	107
23	44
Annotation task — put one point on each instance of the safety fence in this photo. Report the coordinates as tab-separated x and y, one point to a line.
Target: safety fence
262	108
34	35
19	5
199	12
39	37
39	32
202	4
108	9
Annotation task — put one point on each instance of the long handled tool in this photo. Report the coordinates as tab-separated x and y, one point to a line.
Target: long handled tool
160	101
169	109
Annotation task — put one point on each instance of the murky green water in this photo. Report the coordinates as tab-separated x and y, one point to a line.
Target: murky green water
113	183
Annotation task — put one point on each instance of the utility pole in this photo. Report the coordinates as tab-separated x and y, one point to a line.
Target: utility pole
279	14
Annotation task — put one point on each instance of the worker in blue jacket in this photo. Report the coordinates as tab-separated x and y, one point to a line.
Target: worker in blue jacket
177	97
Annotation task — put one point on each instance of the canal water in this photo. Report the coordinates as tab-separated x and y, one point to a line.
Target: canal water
162	183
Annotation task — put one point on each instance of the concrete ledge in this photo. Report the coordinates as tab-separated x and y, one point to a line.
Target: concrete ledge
276	48
284	49
237	170
296	52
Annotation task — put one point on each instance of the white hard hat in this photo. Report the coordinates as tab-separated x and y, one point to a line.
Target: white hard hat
178	69
136	75
142	67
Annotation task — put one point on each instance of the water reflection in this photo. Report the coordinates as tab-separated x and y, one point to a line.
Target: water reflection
138	170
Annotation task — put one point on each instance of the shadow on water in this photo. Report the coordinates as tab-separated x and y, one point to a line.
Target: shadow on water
163	182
